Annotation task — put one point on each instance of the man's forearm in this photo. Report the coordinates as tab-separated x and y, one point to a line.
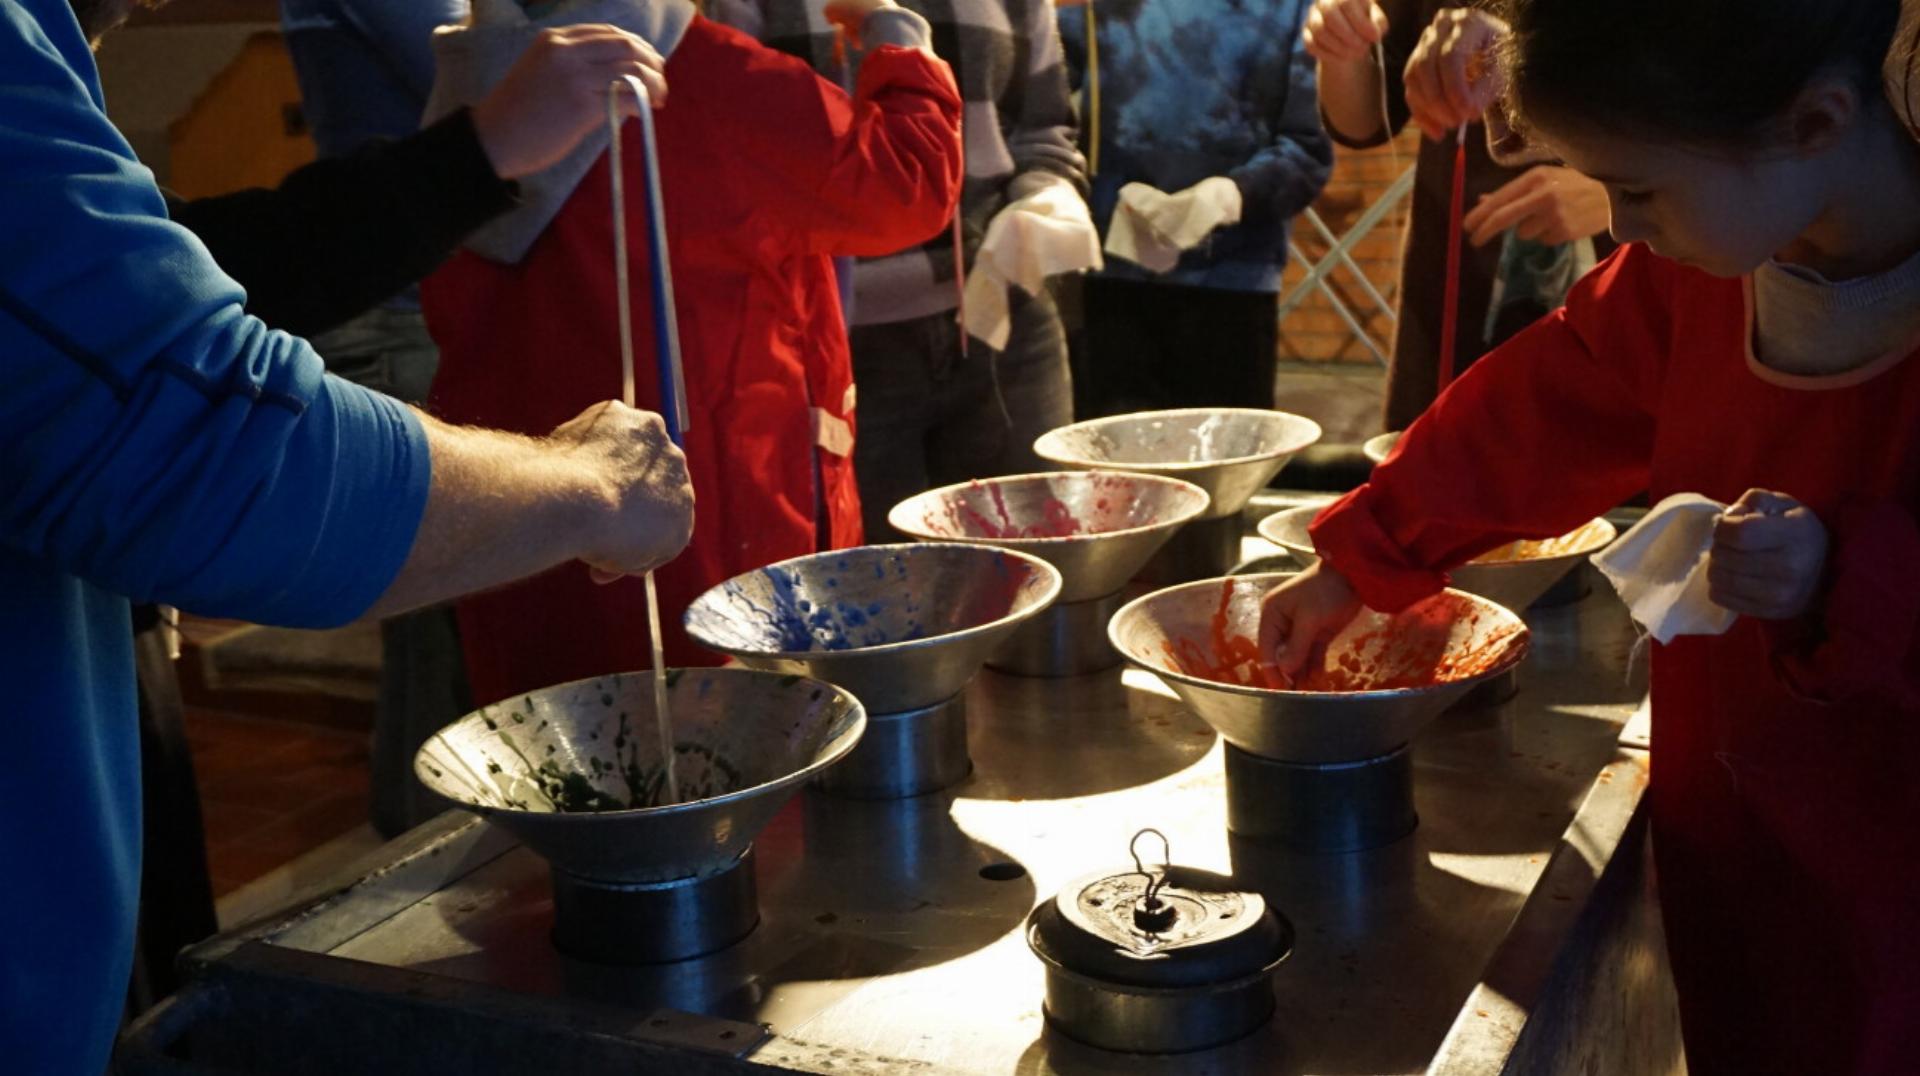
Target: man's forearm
1350	98
502	507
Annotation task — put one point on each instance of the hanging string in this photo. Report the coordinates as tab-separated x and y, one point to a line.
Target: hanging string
666	338
1093	92
1450	310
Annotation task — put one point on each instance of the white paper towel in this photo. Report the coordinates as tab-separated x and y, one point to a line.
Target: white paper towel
1150	228
1660	569
1046	233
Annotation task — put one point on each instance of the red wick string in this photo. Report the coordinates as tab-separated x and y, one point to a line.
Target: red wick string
959	281
1450	313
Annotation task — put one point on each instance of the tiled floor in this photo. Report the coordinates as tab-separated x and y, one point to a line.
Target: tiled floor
278	725
273	790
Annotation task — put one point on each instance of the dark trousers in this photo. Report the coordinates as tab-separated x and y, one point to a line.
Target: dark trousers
423	684
176	889
929	417
1150	346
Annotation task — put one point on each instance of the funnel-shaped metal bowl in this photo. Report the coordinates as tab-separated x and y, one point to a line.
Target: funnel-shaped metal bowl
560	768
901	626
1515	575
1378	448
1386	675
1097	527
1229	452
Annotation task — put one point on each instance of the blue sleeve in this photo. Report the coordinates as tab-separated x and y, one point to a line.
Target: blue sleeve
1287	174
154	439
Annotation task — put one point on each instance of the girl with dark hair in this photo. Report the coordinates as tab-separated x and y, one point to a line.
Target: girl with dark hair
1754	342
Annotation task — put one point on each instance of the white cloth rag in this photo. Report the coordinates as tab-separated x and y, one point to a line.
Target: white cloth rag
1043	234
1150	228
1660	569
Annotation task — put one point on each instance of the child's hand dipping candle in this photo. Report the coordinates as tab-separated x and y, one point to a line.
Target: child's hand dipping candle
1298	618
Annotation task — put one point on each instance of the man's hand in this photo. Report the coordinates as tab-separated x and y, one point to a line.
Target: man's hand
556	94
1547	204
649	498
1343	31
1452	77
1769	553
1300	616
607	488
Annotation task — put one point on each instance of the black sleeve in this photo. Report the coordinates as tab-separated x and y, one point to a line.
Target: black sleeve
342	234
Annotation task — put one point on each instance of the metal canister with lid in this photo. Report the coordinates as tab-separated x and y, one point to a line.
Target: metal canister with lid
1158	961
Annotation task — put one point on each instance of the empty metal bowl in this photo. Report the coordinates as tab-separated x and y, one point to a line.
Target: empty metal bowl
1229	452
903	627
1096	527
1378	448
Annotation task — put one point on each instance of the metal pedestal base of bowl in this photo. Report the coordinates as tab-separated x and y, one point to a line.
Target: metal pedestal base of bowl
654	922
1572	588
1204	549
1321	807
1069	639
1157	1020
1491	693
905	754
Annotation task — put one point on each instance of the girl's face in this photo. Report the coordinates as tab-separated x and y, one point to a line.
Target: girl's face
1723	213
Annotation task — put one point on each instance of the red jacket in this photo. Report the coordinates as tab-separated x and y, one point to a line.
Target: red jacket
767	171
1786	806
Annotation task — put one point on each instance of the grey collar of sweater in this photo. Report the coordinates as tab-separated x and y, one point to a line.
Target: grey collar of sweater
1809	326
472	59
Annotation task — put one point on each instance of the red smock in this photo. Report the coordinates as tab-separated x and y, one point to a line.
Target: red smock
767	172
1785	802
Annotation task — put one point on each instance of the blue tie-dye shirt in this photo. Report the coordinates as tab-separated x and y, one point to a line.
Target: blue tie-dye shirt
1191	89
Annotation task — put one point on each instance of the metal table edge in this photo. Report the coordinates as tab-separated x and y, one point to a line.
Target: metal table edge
1490	1023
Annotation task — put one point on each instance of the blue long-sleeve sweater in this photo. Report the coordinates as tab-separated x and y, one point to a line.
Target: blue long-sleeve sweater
1191	89
155	444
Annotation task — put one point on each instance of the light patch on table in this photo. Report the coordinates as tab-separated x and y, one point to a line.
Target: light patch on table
1514	874
1136	679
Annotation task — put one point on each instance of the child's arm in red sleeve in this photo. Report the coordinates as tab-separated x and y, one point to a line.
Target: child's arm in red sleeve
1545	432
869	174
1865	637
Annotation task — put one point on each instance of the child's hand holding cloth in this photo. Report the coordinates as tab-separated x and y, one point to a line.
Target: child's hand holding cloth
1693	564
1151	228
1043	234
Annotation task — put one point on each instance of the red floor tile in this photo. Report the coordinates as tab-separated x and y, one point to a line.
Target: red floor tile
226	822
234	865
273	790
293	835
258	789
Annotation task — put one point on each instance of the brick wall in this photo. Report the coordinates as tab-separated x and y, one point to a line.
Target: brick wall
1314	332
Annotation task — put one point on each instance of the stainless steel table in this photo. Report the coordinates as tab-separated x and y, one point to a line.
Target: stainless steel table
1506	934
